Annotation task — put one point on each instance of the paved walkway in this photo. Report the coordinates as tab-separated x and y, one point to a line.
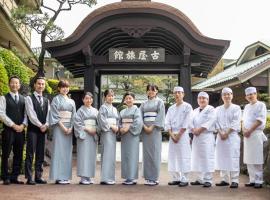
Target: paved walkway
119	192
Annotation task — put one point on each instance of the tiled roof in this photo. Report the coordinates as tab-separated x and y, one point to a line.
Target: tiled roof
231	73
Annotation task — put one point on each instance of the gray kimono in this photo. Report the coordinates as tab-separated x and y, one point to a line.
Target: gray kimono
130	142
153	113
106	115
61	161
86	143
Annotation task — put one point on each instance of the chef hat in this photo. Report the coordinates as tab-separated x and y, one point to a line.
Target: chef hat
226	90
250	90
203	94
178	89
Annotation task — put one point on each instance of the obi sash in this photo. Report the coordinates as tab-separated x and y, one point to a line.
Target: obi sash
65	116
149	116
90	123
111	121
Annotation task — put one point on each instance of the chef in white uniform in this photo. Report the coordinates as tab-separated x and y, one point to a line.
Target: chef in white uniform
228	126
176	123
203	144
254	120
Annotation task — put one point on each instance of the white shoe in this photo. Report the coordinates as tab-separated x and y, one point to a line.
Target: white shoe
64	182
111	182
129	182
84	182
151	183
91	181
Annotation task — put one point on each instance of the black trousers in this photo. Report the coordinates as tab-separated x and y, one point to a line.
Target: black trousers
12	141
35	146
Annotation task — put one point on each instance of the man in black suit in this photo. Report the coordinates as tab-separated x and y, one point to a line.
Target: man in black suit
37	108
13	115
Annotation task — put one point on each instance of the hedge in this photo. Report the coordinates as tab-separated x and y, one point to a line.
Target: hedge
3	79
14	66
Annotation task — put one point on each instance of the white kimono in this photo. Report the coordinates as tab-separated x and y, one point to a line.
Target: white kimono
228	151
253	146
203	146
179	154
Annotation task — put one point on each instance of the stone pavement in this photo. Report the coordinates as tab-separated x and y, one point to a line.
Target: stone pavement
119	192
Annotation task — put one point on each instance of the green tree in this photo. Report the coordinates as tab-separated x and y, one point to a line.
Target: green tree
44	23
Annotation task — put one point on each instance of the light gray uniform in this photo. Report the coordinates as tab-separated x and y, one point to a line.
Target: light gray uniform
86	143
153	113
61	164
108	141
130	142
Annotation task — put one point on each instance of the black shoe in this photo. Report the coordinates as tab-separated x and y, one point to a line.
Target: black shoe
234	185
250	184
207	185
183	184
40	181
174	183
30	182
6	182
196	183
16	181
257	185
222	183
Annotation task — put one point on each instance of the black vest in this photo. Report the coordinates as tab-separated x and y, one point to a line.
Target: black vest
15	111
40	111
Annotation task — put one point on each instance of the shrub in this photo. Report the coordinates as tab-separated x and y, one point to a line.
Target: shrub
53	83
3	79
14	66
267	126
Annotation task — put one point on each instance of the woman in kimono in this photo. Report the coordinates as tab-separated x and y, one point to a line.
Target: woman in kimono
108	121
153	113
131	126
203	144
86	133
228	125
61	121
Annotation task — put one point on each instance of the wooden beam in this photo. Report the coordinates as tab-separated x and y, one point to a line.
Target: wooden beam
185	75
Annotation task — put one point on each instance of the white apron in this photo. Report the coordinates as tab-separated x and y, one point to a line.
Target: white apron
179	154
203	153
228	153
253	148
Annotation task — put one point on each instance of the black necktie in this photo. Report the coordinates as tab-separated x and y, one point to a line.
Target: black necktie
16	99
40	101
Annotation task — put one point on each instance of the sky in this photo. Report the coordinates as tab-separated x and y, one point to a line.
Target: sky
243	22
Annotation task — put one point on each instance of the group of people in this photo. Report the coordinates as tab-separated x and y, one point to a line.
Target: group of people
203	154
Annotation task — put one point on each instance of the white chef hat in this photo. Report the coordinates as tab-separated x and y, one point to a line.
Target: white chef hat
203	94
178	89
226	90
250	90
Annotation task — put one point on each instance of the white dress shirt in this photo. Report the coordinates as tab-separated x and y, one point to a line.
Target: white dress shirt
32	113
3	116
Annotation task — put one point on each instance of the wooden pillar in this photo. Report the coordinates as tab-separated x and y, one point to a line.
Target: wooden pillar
89	73
98	85
185	75
268	88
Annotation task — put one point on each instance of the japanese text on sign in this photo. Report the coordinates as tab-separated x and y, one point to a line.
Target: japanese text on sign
137	55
